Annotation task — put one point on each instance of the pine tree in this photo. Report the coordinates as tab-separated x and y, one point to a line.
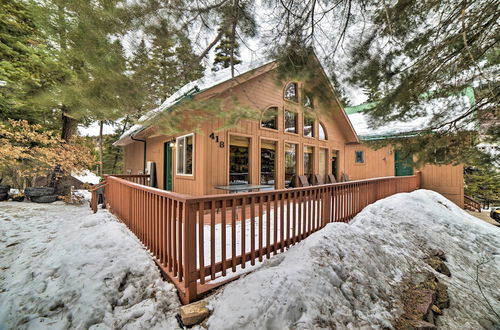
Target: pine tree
223	53
92	84
25	64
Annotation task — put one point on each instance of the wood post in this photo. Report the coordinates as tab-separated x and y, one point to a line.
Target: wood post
190	276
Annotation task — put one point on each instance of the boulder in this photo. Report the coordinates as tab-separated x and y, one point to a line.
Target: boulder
438	265
38	191
442	300
44	199
4	189
17	198
194	313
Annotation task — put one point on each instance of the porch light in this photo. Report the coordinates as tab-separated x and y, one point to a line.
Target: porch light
172	144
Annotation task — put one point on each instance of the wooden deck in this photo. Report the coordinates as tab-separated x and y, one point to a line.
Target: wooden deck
200	242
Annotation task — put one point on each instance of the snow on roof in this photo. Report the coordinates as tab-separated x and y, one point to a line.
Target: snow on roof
209	80
436	111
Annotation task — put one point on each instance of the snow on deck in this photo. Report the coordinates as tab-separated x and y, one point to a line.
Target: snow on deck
346	275
63	267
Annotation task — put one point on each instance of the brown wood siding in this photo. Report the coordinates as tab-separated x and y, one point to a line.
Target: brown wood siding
444	179
262	92
133	158
448	180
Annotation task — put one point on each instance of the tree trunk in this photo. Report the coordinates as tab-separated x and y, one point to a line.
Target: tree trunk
101	125
68	126
125	123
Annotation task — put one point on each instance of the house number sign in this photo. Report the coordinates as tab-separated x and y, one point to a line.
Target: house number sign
216	139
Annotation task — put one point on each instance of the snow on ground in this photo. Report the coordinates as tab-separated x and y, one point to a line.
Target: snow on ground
347	275
63	267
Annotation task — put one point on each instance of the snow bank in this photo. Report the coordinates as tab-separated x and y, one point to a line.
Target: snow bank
347	275
63	267
87	177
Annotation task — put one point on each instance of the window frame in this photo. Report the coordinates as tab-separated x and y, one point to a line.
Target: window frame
362	162
297	123
251	161
313	127
297	101
297	150
321	125
313	158
177	150
276	160
276	119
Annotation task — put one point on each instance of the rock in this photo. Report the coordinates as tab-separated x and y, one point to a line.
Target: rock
442	300
44	199
420	325
4	197
439	253
17	198
438	265
436	310
194	313
4	188
38	191
424	299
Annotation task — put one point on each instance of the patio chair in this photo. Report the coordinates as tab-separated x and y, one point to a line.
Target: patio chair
331	178
303	181
318	179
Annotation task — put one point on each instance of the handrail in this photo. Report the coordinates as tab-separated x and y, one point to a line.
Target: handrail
180	230
471	204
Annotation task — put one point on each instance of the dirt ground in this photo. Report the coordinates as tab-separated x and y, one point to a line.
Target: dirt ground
485	216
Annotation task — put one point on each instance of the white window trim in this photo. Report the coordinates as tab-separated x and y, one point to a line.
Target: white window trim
177	155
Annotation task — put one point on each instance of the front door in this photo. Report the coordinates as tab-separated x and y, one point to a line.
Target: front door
167	166
403	166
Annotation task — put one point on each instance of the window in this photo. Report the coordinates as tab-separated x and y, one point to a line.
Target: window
291	93
291	122
360	157
440	156
308	160
290	163
239	160
185	151
307	101
270	118
322	131
267	162
323	162
308	126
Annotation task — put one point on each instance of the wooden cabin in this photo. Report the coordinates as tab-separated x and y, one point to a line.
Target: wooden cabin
286	144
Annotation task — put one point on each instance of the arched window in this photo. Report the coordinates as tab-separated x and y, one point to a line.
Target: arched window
270	118
307	101
291	92
322	131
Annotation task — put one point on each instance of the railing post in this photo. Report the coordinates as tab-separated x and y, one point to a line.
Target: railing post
190	278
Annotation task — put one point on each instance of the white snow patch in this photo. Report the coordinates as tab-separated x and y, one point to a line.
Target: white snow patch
87	177
346	275
63	267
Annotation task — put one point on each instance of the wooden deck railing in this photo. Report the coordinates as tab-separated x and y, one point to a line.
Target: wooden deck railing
203	242
143	179
471	204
